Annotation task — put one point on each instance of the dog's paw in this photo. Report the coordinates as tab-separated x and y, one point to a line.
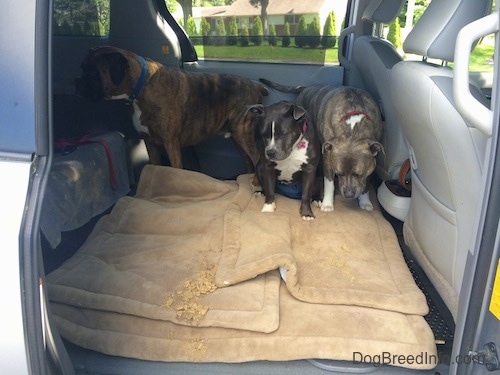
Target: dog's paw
258	194
269	207
365	202
307	217
325	207
366	206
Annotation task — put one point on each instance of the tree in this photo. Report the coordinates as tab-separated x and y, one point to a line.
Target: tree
187	8
394	34
84	16
257	32
329	39
263	11
301	33
272	35
313	33
285	42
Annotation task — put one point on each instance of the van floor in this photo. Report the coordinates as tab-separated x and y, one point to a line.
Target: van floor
90	362
439	318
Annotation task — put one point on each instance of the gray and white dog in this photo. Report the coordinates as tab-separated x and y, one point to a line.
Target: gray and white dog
289	153
350	127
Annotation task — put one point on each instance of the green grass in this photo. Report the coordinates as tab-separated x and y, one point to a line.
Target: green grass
479	57
266	53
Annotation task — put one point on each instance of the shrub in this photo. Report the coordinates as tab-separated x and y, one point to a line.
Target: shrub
232	34
272	36
301	33
285	42
245	40
191	26
313	33
220	32
257	32
329	39
205	31
394	34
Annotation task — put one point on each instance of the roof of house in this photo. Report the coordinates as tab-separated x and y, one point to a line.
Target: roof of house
244	8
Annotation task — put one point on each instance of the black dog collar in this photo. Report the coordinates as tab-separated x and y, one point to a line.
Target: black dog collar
140	82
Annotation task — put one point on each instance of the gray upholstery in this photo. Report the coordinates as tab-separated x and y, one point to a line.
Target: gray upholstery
447	153
374	58
435	33
382	11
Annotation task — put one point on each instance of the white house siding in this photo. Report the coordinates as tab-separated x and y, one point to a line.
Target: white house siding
277	10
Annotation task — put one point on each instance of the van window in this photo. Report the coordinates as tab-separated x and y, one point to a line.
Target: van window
84	17
481	57
263	30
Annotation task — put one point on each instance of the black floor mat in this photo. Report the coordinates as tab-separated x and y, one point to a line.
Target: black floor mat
439	318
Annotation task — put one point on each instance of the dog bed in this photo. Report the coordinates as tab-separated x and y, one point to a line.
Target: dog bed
187	270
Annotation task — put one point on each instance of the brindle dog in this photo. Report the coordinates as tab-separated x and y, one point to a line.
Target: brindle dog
173	108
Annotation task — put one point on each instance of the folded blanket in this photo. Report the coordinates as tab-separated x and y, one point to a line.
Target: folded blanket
191	257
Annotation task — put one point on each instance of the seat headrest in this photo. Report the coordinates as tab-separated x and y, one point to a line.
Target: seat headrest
382	11
436	31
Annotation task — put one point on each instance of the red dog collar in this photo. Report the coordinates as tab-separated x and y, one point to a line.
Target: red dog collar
354	113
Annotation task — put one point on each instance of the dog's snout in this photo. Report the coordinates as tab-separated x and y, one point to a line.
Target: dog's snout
349	193
271	153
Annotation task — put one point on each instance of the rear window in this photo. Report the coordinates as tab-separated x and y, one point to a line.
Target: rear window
84	17
263	30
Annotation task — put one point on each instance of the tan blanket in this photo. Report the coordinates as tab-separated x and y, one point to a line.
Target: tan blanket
192	258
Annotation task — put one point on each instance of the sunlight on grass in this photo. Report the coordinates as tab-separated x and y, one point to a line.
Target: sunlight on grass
481	58
266	53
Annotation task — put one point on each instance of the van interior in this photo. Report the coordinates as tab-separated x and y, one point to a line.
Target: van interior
152	269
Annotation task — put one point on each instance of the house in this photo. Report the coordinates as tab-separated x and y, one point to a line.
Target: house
279	12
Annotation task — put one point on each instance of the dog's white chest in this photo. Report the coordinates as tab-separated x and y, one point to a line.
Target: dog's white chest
136	115
293	162
136	119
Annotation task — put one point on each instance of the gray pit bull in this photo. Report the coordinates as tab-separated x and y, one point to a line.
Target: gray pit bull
289	153
350	127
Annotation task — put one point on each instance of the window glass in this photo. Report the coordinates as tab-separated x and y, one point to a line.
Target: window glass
481	57
84	17
263	30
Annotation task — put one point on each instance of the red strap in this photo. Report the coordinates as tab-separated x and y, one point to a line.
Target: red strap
113	180
62	143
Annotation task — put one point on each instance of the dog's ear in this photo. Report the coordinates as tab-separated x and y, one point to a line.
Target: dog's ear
298	112
327	147
118	67
256	110
375	147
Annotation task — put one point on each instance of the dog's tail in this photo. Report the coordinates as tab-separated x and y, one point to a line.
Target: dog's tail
277	86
